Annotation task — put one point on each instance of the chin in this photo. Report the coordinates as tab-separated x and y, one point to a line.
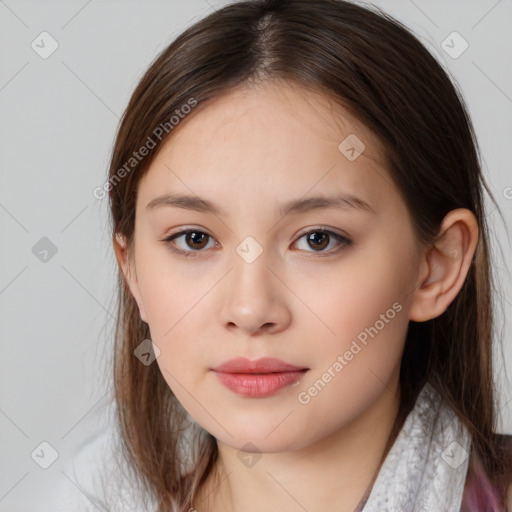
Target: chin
265	439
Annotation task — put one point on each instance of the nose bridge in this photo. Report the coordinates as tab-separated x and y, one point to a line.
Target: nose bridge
250	280
252	299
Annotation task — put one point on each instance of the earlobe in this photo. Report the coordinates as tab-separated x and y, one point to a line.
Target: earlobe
126	264
445	265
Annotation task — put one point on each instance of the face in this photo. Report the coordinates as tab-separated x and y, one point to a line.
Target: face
323	287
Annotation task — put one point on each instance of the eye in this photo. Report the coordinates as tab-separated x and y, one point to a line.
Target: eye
193	238
319	239
196	240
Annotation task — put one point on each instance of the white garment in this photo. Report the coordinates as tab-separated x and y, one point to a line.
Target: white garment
424	471
94	480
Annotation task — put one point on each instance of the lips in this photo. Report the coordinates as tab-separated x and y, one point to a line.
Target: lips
260	378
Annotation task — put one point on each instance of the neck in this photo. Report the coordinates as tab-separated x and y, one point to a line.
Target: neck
334	473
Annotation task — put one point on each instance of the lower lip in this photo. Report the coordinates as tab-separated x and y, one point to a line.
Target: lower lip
259	385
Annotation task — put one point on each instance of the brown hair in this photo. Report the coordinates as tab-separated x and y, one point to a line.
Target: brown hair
376	69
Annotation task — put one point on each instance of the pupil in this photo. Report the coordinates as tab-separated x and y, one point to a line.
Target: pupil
313	237
191	237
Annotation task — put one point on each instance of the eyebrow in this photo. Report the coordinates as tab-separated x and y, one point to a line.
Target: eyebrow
302	205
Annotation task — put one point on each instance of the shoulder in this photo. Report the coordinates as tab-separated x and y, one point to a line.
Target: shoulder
483	492
506	443
96	477
77	484
85	469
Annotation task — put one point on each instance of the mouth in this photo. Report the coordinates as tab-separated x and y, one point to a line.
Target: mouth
260	378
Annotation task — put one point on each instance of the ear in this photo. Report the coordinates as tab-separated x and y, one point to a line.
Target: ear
445	265
127	266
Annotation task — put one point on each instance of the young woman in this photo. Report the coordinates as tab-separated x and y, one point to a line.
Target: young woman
298	216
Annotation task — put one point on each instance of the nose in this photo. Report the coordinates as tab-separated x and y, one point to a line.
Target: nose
254	300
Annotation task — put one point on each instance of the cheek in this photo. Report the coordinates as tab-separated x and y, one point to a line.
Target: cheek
169	290
352	367
353	294
364	303
170	297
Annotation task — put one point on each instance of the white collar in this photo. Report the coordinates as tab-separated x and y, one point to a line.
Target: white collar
426	467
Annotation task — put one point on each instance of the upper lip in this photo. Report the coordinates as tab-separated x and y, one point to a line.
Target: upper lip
263	365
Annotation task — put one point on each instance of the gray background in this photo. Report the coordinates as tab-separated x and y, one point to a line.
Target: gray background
58	120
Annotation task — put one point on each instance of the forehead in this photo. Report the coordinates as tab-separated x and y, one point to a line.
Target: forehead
275	138
272	105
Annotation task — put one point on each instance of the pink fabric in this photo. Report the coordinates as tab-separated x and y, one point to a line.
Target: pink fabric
479	493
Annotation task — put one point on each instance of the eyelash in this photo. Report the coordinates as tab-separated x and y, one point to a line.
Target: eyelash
193	253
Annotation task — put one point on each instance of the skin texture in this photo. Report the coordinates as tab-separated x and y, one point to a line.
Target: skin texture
305	304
